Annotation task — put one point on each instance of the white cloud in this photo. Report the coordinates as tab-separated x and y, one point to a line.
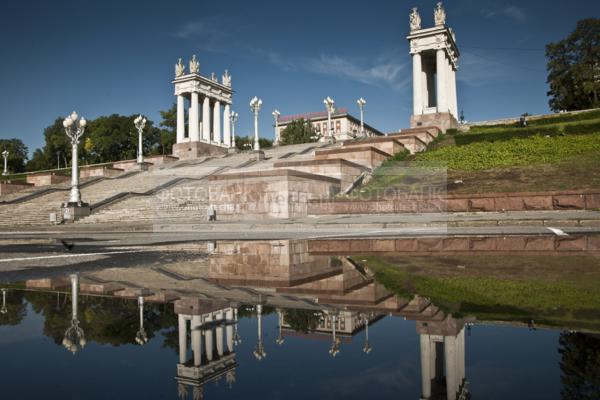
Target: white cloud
384	72
514	12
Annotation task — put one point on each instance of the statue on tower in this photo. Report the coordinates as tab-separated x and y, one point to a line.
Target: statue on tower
179	69
194	65
415	20
226	79
439	14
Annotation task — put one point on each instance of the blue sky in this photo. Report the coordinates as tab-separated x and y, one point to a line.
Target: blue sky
103	57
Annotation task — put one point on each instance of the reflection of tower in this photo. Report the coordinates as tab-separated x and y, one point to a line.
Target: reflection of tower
208	319
443	360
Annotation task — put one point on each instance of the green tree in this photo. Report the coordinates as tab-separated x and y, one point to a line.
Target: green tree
243	143
574	68
17	154
298	131
580	366
57	144
169	129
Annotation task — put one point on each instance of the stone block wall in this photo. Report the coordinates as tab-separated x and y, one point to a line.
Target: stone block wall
386	144
491	202
102	170
278	193
367	156
347	172
273	263
47	178
8	188
192	150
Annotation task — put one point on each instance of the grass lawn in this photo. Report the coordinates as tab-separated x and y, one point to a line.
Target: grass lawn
564	161
500	288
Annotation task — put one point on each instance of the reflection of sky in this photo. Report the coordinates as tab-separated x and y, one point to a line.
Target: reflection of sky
502	363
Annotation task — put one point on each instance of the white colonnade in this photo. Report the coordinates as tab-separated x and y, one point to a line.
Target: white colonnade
209	106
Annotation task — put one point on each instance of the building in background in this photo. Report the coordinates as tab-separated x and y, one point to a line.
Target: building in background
345	126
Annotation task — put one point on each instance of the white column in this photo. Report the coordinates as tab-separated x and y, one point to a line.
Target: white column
219	333
417	84
180	118
208	335
425	366
229	329
182	339
449	86
217	121
196	339
206	120
194	118
450	358
227	125
461	356
453	97
442	102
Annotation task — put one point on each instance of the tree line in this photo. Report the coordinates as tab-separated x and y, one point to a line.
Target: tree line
106	139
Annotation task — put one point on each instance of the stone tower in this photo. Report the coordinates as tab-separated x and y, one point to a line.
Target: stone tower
435	61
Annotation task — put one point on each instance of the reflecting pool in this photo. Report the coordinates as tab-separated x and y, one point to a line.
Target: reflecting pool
481	318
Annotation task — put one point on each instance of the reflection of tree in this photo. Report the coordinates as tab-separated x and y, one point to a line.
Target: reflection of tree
580	366
302	320
104	320
16	308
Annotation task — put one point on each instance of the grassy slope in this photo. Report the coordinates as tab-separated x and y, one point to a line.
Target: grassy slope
500	288
536	163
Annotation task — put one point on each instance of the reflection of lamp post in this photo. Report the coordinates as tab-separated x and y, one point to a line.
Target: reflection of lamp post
280	338
367	347
361	104
74	130
141	338
237	340
259	350
335	342
140	123
276	115
3	310
5	155
330	106
255	105
233	117
74	337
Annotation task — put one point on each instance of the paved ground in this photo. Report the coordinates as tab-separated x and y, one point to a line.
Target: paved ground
37	252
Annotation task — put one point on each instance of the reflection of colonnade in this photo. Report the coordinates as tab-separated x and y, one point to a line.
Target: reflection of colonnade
442	346
212	326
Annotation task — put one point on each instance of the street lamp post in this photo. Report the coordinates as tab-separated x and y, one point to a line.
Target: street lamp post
74	130
74	338
280	339
5	155
255	105
141	337
233	117
3	310
259	350
361	104
367	346
330	106
140	123
335	341
276	115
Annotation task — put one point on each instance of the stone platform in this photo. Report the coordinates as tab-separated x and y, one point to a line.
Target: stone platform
192	150
443	121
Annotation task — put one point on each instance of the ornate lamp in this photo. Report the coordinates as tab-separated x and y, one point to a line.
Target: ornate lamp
140	123
255	106
74	130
